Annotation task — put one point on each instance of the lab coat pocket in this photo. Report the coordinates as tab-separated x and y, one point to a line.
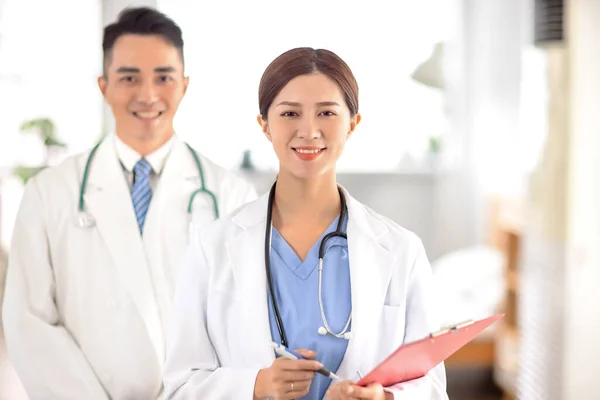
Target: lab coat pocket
392	326
390	336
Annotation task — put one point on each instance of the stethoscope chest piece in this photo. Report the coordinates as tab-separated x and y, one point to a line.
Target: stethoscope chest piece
84	220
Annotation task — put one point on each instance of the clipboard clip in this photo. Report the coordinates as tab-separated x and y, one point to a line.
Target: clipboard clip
463	324
451	328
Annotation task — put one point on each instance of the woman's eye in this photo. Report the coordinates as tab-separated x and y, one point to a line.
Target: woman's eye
289	114
327	113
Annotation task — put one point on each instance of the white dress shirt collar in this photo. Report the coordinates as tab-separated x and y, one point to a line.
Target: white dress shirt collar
129	157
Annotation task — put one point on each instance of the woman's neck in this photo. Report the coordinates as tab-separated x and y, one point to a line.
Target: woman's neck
298	200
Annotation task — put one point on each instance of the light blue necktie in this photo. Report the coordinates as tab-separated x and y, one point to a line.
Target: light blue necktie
141	193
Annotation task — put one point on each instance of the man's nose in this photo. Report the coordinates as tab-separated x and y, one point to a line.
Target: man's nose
147	93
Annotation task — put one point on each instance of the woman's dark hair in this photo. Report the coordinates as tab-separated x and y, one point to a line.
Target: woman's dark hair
303	61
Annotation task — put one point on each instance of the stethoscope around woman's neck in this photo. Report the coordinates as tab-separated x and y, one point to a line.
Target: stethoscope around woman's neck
325	329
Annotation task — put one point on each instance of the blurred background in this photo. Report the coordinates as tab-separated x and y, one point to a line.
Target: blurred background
480	133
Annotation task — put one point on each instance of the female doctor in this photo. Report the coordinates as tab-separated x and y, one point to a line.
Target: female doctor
280	269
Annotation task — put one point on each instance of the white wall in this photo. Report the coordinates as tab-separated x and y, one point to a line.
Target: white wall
50	61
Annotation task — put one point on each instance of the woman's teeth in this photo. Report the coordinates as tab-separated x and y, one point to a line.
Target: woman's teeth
308	151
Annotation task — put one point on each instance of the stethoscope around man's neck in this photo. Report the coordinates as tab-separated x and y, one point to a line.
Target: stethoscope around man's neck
325	329
84	219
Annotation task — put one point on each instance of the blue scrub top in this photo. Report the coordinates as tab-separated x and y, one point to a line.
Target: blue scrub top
296	286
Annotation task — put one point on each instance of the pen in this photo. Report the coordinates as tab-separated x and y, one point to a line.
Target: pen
287	353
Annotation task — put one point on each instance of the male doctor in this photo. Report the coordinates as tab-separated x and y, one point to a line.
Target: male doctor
91	275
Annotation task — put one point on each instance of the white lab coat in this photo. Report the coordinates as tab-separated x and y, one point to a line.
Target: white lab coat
83	315
220	335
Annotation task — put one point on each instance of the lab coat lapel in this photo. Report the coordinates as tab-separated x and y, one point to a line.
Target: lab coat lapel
166	230
108	200
370	274
246	254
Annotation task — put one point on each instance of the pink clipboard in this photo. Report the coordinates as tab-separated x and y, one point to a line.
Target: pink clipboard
414	360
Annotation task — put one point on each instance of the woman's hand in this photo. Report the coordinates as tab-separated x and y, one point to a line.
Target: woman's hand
287	379
347	390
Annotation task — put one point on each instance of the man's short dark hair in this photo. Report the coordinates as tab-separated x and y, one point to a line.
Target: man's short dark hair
140	21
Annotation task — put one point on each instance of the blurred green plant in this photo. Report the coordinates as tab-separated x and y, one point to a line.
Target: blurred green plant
46	130
435	144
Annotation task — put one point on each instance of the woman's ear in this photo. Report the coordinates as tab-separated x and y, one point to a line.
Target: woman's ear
264	126
353	122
